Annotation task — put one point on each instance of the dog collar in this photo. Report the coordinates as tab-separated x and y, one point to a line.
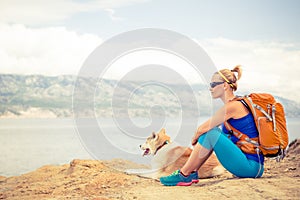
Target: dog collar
166	142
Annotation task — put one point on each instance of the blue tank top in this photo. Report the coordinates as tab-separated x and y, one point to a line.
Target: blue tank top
247	126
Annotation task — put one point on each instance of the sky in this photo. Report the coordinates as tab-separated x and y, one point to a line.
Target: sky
56	37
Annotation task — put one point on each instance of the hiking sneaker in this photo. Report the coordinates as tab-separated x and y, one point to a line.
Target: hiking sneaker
176	179
195	177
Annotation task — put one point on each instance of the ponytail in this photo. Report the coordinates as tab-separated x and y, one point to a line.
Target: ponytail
238	70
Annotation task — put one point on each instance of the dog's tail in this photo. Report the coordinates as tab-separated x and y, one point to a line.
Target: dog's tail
145	173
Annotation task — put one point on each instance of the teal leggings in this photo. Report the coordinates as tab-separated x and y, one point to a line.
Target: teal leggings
229	155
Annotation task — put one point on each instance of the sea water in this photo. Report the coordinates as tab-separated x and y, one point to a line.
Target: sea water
27	144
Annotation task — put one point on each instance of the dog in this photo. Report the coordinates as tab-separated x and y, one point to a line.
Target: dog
168	157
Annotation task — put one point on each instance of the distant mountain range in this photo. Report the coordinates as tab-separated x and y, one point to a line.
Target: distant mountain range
44	96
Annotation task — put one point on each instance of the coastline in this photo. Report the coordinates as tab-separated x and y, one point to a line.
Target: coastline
43	141
96	179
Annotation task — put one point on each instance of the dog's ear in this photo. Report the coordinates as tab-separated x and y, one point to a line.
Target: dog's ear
153	135
162	131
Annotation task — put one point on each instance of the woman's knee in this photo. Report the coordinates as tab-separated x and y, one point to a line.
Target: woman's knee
213	133
209	139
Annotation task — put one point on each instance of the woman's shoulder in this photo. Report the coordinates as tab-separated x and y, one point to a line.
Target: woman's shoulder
234	105
237	108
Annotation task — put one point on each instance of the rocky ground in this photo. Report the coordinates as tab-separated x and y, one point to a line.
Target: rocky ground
95	180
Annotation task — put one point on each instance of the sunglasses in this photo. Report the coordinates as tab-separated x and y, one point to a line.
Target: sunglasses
214	84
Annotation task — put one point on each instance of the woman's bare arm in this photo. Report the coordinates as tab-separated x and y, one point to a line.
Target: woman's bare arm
229	110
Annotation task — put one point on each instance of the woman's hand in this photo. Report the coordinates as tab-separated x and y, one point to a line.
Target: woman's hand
195	140
196	137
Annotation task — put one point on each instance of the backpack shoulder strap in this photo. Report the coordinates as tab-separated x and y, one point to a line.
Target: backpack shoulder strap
245	104
234	131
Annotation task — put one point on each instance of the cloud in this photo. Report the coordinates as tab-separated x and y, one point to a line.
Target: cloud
50	51
269	66
112	15
37	12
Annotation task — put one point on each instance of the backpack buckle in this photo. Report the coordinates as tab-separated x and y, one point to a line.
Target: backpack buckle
281	155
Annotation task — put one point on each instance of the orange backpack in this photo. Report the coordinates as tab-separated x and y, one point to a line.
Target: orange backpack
270	122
